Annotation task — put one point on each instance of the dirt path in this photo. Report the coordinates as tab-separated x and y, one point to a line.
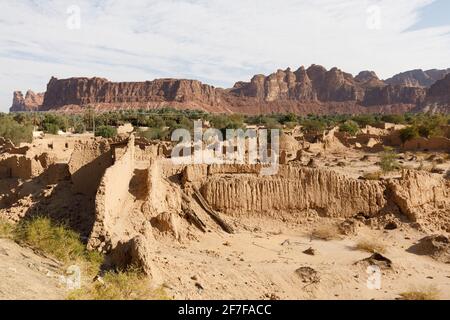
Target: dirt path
25	275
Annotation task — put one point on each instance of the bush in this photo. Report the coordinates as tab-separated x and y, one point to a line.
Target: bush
388	161
409	133
105	132
372	175
121	285
326	233
154	134
365	120
50	128
57	241
17	133
427	293
52	123
79	128
371	246
351	127
313	126
394	118
6	229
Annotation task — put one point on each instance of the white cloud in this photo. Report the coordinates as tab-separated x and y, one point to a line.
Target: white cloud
217	41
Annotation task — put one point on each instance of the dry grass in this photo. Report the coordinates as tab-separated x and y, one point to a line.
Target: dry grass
371	246
59	242
6	229
326	232
122	285
373	175
426	293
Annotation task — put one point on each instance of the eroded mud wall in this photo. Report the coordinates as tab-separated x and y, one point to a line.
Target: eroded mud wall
111	197
294	189
88	163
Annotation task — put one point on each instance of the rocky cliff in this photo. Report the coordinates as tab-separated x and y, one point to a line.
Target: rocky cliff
418	78
31	102
316	84
94	91
313	90
438	97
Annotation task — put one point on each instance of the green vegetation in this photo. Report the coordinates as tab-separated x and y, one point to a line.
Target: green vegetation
388	160
154	134
6	229
163	121
15	131
58	241
105	132
349	126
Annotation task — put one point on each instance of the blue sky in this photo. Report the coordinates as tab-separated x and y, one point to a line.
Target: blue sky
216	41
434	15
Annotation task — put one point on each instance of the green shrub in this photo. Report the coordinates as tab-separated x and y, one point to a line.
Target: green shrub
394	118
365	120
351	127
51	128
79	128
388	160
105	132
6	229
313	126
408	133
57	241
17	133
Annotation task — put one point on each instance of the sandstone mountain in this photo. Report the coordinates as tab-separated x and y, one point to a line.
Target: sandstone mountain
438	96
418	78
313	90
31	102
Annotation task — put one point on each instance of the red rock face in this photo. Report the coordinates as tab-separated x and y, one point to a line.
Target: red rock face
317	85
438	97
85	91
418	78
312	90
31	102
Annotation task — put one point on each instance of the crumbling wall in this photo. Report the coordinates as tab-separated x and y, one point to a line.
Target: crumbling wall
111	198
25	166
294	190
431	144
88	163
162	195
419	194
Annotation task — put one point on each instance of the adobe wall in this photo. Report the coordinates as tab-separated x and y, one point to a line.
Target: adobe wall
24	166
294	190
431	144
111	197
88	163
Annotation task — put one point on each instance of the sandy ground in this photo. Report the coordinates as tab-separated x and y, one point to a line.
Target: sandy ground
24	275
259	261
262	264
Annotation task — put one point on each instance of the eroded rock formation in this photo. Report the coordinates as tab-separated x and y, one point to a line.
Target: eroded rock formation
312	90
31	102
418	77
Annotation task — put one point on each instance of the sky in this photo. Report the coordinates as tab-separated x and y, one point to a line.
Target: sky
218	42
